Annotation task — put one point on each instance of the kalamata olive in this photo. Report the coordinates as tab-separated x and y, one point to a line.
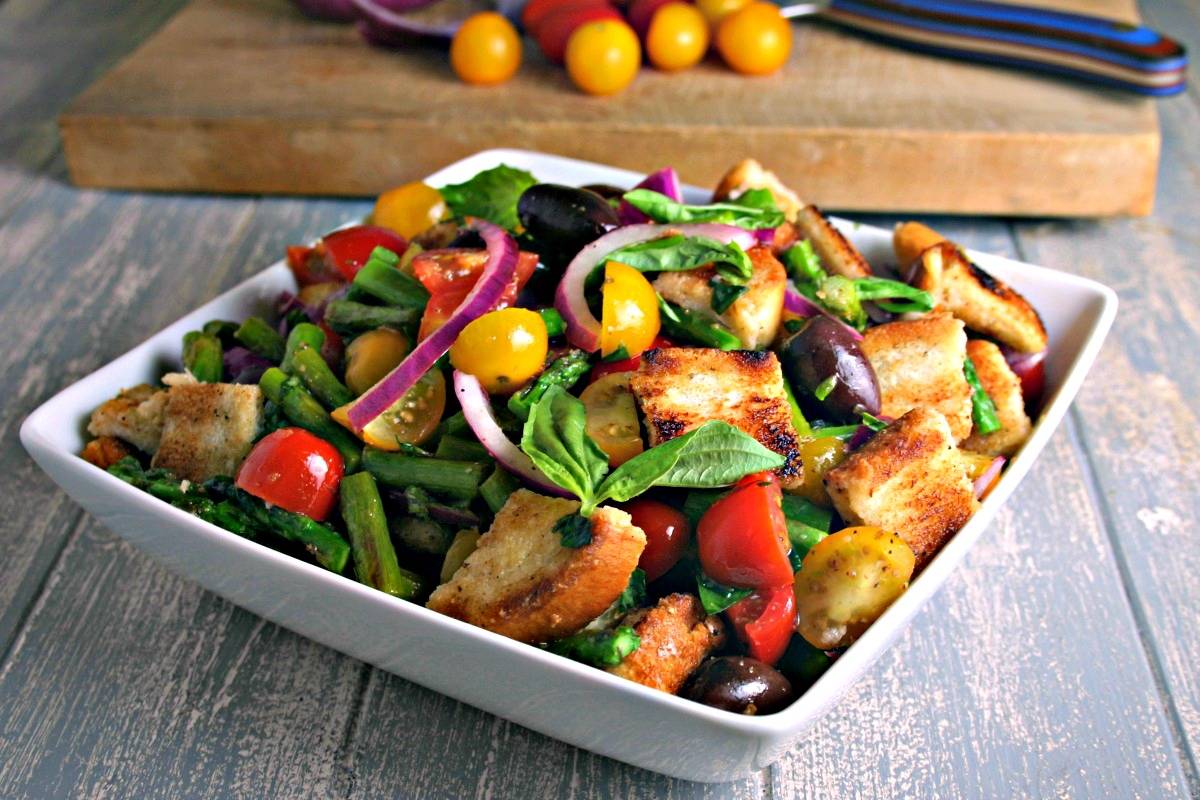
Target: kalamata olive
605	190
740	684
565	218
825	352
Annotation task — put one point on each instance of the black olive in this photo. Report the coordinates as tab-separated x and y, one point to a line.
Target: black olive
607	191
740	684
564	218
825	352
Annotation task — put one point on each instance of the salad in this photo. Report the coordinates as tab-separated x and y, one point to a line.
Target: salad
700	446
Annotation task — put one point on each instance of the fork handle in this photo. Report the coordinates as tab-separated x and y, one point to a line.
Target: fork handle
1102	51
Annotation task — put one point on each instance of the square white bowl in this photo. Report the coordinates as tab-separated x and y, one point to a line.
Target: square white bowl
555	696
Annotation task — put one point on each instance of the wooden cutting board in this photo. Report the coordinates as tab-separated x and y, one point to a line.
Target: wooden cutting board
249	96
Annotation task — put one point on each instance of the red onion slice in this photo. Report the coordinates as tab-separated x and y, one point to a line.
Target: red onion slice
493	280
583	329
477	409
665	182
765	236
984	481
388	23
797	303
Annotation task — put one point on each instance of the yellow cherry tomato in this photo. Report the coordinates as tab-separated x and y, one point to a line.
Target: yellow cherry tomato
503	349
603	57
716	10
755	40
819	456
410	420
677	37
612	419
372	355
409	209
486	50
629	311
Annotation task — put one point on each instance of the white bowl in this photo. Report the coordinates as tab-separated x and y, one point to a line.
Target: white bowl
560	698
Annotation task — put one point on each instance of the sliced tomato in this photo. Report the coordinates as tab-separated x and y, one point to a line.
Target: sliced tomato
450	274
341	254
667	534
295	470
764	621
309	266
626	364
743	536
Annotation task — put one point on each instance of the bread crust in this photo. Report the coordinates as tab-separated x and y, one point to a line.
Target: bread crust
676	636
208	428
1004	387
837	255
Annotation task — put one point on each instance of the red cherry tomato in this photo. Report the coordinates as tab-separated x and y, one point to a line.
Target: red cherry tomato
536	11
556	27
667	535
310	267
341	254
765	621
450	274
626	364
743	537
295	470
640	12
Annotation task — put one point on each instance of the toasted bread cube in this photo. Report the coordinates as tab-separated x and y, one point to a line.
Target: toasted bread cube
986	304
676	636
749	174
135	416
920	363
208	429
753	317
520	581
1004	387
681	388
909	478
104	451
910	240
838	256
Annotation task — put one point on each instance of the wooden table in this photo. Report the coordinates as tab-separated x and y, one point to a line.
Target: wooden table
1061	661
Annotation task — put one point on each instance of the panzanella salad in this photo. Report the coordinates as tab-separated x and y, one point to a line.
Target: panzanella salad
700	446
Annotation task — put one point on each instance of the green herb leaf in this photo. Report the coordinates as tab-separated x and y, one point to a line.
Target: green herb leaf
894	296
620	354
983	409
716	597
680	253
661	208
634	594
825	387
807	512
555	438
873	422
491	195
839	295
803	264
724	294
575	531
601	648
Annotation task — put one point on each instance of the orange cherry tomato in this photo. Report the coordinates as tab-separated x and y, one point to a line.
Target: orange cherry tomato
743	536
603	57
629	316
504	349
409	209
677	37
295	470
716	10
486	49
756	40
667	535
612	419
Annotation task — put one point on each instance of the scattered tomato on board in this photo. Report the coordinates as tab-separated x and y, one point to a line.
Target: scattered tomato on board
755	40
486	50
603	57
677	37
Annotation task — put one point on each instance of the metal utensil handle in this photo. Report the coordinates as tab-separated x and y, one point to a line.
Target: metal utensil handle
1100	50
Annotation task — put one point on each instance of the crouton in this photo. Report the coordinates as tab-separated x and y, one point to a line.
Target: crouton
105	451
909	478
1004	387
910	239
753	317
135	416
749	174
679	389
520	581
208	429
920	363
676	636
985	304
838	256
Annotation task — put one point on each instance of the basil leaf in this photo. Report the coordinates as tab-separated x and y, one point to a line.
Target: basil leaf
600	648
894	296
724	294
620	354
574	530
715	454
634	594
680	253
803	538
802	263
757	198
555	438
661	208
716	597
491	195
807	512
983	409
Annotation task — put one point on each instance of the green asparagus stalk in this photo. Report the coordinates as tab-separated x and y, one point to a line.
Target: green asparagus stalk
679	323
309	365
454	425
555	324
257	336
304	411
303	334
983	410
375	561
459	479
202	356
600	649
349	317
799	421
454	448
223	330
496	489
165	486
564	371
379	278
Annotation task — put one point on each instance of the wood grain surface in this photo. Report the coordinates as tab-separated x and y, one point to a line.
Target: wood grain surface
1059	662
236	95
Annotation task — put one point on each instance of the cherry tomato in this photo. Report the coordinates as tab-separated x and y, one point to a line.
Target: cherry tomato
603	57
755	40
819	456
556	27
629	317
536	11
450	274
743	537
372	355
667	535
716	10
503	349
846	581
410	420
677	37
640	12
409	209
295	470
625	364
485	50
349	248
765	622
612	419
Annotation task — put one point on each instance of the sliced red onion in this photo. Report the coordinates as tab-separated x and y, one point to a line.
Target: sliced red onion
388	26
765	236
493	280
477	409
797	303
665	182
583	329
1022	362
988	477
243	365
332	10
